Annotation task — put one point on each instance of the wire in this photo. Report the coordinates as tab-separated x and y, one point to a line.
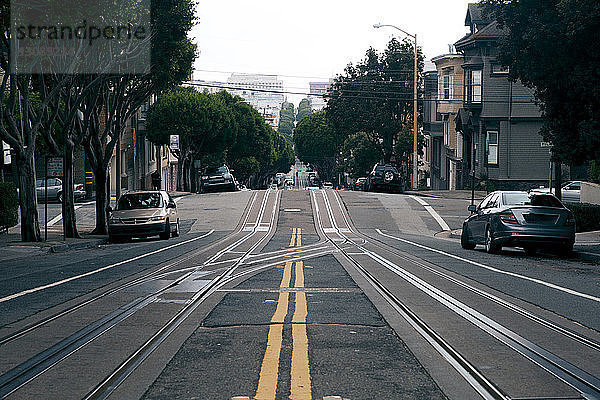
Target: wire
359	93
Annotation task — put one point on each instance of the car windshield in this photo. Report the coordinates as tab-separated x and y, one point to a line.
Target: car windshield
516	199
216	170
140	201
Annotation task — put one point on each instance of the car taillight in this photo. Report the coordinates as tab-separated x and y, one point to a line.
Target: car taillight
508	218
570	220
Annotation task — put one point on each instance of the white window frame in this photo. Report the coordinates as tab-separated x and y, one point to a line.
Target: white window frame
492	148
476	97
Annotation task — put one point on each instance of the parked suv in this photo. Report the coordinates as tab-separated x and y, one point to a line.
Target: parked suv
384	177
218	178
143	214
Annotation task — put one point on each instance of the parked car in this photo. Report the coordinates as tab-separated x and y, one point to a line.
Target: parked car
327	185
360	184
384	177
143	214
569	193
218	178
519	219
273	186
55	190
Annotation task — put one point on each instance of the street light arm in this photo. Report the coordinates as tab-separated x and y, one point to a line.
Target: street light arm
395	27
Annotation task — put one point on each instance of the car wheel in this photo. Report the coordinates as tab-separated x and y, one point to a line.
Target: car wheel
465	243
566	249
167	233
490	246
176	231
530	250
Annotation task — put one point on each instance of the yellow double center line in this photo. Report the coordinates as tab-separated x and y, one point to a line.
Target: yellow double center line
296	237
300	372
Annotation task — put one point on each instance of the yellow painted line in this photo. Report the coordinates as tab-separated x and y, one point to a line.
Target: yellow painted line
293	239
269	371
287	275
299	283
300	387
299	237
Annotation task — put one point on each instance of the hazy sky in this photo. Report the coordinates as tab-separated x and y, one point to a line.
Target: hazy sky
309	40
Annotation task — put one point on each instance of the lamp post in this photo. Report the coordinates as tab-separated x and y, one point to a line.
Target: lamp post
415	125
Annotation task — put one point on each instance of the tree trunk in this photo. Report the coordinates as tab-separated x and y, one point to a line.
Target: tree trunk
68	208
30	224
180	174
102	200
557	179
159	167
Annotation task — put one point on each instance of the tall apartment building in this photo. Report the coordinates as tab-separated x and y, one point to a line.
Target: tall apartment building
263	92
317	93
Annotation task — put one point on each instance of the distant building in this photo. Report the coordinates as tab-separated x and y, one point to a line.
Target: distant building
317	93
263	92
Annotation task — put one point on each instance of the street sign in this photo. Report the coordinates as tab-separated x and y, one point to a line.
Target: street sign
174	142
54	167
6	153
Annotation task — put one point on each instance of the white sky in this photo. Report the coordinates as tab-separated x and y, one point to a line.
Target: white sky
310	40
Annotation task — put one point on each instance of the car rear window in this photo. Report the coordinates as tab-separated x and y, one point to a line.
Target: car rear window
545	201
140	201
516	199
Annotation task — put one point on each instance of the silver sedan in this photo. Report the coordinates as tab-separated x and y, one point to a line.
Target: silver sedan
519	219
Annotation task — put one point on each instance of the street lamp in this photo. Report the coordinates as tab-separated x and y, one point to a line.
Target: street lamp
415	160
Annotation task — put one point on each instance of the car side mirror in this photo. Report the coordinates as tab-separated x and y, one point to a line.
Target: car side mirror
171	204
472	208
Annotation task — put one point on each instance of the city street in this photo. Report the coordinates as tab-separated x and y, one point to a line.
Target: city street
301	294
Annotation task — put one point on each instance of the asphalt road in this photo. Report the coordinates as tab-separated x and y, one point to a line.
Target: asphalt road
301	294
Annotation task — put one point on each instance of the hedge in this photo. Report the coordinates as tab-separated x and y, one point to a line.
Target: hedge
9	205
587	216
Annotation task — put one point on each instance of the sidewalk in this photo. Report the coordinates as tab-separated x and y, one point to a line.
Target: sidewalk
448	194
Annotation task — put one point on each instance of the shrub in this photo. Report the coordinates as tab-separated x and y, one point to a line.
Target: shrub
9	205
587	216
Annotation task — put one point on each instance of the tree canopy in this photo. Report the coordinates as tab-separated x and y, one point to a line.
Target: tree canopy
552	46
376	95
317	143
303	110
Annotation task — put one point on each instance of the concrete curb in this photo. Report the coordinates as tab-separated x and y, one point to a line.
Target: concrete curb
58	248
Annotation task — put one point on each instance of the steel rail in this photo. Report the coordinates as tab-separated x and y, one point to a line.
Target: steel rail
24	373
587	384
470	373
106	387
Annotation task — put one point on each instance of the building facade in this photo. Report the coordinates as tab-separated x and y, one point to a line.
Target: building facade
449	101
498	120
317	94
263	92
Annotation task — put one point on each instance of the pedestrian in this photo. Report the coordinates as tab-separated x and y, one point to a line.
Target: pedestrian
155	180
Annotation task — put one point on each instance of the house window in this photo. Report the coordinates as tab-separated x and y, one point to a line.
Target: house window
492	147
446	132
447	86
476	86
499	69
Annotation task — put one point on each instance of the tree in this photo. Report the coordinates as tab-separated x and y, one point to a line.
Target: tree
360	153
303	110
318	143
120	96
201	120
552	47
286	120
376	95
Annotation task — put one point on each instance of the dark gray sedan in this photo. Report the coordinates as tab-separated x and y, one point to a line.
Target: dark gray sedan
519	219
